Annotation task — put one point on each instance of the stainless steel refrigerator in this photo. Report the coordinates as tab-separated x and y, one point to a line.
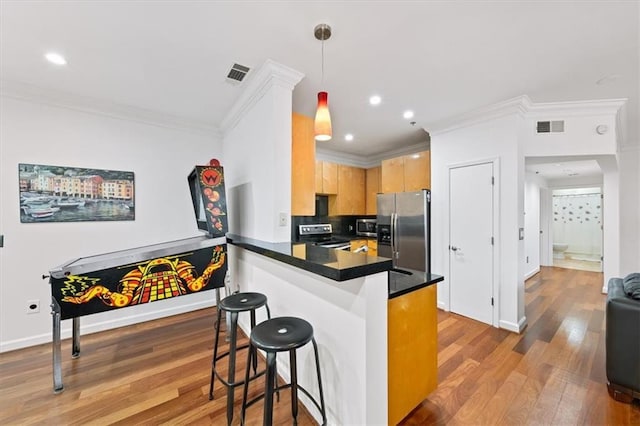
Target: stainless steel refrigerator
404	230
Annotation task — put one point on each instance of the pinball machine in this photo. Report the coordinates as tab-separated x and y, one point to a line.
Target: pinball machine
136	276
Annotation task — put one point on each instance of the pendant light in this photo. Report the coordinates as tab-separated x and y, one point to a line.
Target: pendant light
322	124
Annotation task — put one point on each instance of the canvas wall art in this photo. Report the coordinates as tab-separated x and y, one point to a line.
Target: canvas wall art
71	194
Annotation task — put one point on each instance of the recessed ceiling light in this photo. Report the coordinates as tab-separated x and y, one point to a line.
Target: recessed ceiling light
348	137
408	114
55	58
375	100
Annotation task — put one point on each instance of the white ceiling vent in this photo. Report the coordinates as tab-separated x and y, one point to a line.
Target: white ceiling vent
550	126
237	73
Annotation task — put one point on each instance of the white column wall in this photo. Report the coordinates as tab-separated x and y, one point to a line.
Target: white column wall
485	141
161	157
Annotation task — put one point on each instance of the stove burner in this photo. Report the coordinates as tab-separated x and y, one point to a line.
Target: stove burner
321	235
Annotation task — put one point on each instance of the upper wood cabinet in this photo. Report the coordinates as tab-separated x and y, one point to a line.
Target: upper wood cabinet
407	173
326	177
303	155
417	171
372	188
392	173
350	197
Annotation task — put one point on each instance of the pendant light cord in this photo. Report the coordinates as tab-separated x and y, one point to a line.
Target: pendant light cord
322	80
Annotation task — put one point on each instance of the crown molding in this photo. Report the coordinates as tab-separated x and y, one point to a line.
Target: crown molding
36	94
370	161
518	105
270	74
576	108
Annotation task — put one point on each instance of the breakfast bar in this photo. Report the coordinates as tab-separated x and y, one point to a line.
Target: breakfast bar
347	297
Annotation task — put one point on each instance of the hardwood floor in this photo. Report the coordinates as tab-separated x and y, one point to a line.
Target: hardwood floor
158	372
553	373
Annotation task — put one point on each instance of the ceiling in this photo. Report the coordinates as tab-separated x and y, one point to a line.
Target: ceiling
565	169
439	59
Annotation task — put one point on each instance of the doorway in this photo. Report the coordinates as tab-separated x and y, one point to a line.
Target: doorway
577	228
471	238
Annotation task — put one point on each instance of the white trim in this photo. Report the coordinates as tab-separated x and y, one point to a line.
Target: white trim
518	105
577	108
105	325
532	273
443	306
31	93
516	328
370	161
523	105
263	79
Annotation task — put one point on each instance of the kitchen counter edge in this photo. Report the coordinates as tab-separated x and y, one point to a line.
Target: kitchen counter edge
361	265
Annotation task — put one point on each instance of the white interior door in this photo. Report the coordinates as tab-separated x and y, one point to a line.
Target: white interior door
471	246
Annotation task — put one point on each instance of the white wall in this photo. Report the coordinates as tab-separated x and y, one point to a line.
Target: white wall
532	225
487	140
629	163
257	151
161	158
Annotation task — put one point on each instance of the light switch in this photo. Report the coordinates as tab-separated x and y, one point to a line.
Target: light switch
282	219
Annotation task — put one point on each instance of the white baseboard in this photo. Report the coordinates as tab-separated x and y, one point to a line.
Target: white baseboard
532	273
442	306
65	331
516	328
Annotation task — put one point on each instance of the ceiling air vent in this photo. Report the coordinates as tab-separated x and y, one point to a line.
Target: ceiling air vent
550	126
237	72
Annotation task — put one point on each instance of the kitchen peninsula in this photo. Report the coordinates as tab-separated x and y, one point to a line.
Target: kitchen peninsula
348	298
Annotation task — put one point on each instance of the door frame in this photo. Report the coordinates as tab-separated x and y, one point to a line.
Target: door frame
496	272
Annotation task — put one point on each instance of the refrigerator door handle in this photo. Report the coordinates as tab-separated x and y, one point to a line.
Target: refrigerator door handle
394	228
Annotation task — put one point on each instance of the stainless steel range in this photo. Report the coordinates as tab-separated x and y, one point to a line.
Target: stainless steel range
321	234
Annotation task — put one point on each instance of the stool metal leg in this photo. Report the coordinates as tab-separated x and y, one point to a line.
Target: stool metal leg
268	389
215	352
232	364
246	384
324	412
251	347
294	385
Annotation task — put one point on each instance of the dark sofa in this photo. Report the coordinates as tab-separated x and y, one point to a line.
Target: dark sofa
622	341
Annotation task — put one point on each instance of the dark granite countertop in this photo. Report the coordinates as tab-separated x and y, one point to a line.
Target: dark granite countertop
403	281
338	265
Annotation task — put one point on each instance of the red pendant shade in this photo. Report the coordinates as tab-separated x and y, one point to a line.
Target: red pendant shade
322	125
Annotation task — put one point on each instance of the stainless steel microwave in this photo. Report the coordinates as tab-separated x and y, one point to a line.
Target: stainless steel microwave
366	227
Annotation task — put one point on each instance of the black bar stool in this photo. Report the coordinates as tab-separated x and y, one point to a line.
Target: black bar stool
234	304
280	335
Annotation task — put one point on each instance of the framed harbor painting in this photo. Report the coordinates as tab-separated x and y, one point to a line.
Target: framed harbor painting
71	194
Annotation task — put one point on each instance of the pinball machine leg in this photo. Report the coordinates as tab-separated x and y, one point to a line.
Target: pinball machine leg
75	351
57	350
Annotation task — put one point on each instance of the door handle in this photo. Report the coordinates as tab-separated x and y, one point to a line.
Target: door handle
454	248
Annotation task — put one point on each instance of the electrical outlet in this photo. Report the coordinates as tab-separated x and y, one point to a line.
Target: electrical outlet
33	306
282	219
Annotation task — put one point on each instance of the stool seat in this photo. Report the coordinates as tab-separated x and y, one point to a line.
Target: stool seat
281	334
242	302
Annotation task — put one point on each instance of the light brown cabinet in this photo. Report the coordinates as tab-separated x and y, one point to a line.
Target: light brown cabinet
303	154
350	196
326	177
372	246
407	173
372	188
417	171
